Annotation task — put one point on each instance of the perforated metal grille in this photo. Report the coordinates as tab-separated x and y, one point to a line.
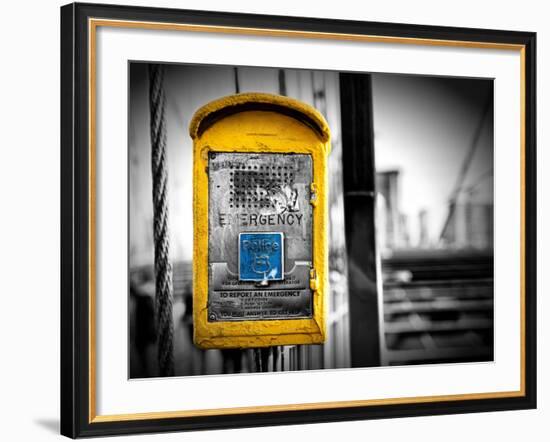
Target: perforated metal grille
254	187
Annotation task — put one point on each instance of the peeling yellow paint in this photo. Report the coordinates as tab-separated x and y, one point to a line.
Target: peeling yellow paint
256	123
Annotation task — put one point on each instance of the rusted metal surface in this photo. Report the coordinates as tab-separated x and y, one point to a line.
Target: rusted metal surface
254	193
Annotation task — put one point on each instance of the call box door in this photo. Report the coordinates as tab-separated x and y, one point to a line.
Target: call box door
260	236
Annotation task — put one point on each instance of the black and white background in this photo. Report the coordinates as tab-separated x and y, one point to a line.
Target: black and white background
432	143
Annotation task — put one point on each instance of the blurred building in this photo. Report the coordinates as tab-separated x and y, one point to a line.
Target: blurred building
438	296
469	224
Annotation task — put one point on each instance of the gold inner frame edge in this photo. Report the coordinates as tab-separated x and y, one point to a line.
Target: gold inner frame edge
93	24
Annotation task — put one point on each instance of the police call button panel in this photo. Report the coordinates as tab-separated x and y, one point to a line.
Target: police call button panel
260	236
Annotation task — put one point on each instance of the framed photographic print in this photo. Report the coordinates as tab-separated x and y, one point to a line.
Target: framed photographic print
274	220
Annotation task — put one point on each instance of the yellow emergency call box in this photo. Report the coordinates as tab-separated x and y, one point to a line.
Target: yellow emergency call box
260	258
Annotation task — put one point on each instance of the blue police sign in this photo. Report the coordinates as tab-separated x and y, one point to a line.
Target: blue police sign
261	256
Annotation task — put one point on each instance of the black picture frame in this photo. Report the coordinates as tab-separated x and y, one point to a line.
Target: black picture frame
77	419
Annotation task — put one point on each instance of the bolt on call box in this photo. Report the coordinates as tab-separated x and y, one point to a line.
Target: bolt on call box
260	222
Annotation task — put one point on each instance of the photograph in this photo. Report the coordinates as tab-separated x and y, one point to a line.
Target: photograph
275	220
408	161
